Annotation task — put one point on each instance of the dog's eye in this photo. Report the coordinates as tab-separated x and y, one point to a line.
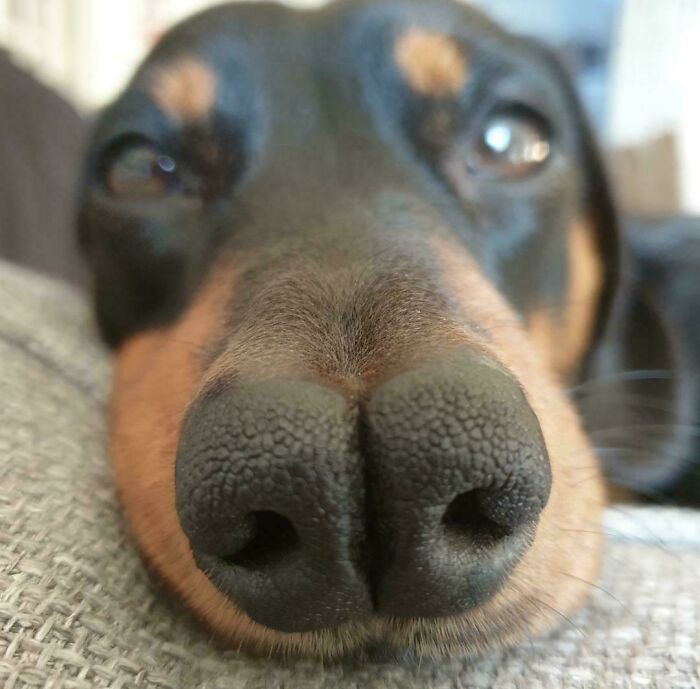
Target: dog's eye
142	173
511	143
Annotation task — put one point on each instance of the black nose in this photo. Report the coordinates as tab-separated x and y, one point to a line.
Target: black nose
459	474
270	493
305	527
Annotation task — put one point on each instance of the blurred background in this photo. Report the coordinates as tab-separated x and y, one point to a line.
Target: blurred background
634	61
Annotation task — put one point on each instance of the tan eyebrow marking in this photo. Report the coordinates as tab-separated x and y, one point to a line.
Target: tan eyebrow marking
432	63
185	89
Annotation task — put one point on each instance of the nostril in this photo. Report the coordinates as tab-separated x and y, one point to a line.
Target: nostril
274	538
458	457
269	489
466	516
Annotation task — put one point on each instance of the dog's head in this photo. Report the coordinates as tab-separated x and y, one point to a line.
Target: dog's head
347	258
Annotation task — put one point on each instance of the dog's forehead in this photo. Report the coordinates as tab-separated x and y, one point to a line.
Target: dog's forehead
296	58
270	30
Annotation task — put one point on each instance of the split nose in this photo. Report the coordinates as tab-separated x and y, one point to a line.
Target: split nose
308	515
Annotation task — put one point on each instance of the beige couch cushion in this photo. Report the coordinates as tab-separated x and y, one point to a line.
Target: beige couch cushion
77	609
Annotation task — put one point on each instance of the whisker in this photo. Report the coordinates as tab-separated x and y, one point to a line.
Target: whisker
538	601
651	428
658	542
616	392
596	532
580	482
639	452
631	401
636	452
598	588
608	554
633	376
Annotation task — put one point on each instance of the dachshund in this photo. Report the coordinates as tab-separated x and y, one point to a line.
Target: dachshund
378	328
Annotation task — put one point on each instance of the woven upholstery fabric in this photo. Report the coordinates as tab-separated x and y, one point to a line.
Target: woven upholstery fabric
78	610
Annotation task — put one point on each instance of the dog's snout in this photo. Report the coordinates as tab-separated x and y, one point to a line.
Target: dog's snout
270	494
459	476
310	510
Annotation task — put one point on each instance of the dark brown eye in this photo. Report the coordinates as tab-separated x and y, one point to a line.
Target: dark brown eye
142	173
511	144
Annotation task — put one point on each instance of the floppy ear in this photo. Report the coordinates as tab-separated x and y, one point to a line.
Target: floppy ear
642	403
638	394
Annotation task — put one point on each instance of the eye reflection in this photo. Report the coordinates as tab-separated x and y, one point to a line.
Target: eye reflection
511	144
141	172
167	164
499	138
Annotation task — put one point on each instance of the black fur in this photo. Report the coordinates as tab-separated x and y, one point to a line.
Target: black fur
324	151
642	401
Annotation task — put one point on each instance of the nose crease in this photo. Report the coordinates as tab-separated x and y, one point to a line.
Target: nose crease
310	511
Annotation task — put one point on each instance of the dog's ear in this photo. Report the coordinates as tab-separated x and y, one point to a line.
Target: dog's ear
642	403
638	391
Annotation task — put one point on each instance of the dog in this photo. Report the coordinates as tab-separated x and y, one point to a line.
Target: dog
374	316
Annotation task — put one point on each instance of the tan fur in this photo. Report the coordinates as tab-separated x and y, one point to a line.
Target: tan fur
185	90
157	376
432	63
562	335
555	575
160	373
